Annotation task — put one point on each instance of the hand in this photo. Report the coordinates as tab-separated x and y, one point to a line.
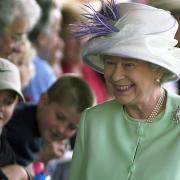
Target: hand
52	150
15	172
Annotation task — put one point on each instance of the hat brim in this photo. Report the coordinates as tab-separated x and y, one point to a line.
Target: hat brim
170	5
4	85
145	48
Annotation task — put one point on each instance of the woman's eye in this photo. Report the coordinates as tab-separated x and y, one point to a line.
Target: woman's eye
129	65
108	62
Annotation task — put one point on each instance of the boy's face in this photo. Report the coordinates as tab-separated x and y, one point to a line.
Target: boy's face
8	101
57	122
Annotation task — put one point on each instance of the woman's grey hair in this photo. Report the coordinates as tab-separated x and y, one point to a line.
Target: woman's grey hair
29	10
154	67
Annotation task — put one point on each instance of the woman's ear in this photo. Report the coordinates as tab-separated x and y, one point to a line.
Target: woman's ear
43	99
160	73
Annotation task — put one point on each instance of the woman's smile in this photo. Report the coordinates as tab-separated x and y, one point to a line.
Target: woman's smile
122	88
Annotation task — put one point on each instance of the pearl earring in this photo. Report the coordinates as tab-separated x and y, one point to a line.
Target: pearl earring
158	80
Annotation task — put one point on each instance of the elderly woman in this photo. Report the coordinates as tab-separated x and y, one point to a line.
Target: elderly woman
134	136
17	18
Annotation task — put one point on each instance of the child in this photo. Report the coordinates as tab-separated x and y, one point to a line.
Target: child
47	124
10	94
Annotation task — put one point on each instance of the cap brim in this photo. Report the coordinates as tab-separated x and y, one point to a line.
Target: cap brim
4	85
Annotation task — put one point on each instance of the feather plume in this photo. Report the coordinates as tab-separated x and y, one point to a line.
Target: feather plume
99	23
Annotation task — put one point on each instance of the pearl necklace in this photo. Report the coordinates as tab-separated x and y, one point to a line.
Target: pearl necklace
157	108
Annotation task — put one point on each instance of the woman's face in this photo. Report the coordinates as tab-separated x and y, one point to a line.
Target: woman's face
11	38
129	80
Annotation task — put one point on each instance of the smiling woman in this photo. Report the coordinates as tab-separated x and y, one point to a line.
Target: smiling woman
133	45
130	81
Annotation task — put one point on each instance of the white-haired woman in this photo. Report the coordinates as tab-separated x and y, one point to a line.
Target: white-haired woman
17	18
134	136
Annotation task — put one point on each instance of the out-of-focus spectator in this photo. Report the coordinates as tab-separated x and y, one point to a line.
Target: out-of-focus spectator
47	43
24	62
15	25
56	50
72	61
17	18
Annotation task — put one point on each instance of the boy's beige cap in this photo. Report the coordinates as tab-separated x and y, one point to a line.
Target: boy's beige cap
10	77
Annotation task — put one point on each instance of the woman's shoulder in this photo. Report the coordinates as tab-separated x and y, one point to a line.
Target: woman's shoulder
102	113
173	100
110	105
173	97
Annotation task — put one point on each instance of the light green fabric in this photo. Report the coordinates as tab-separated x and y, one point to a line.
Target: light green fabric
112	146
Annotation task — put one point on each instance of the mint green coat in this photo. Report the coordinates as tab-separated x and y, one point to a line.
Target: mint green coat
112	146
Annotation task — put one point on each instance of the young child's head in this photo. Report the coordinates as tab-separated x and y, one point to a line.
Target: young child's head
60	108
10	90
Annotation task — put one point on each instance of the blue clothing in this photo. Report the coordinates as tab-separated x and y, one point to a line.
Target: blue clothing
23	134
43	79
40	176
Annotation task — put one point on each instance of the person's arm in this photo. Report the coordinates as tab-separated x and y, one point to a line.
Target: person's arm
13	172
48	152
51	151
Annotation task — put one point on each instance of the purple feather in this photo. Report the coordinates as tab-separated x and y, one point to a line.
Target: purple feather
98	23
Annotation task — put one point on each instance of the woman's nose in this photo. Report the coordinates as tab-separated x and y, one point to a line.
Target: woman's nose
118	73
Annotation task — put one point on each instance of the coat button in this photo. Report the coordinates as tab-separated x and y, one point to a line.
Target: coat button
140	131
132	168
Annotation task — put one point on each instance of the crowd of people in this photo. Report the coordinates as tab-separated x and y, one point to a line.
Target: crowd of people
40	103
102	77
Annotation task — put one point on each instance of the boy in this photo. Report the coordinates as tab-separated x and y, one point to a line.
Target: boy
53	120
